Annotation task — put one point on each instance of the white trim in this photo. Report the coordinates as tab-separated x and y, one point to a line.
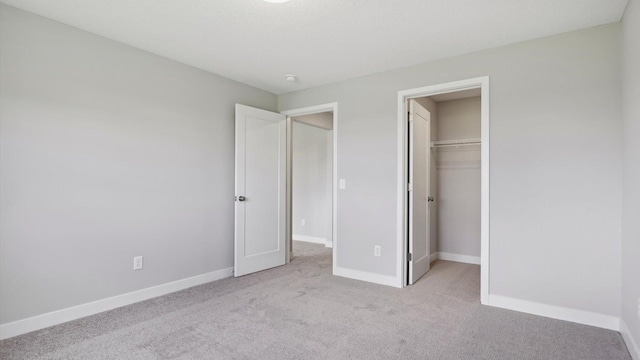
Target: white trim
556	312
403	96
289	194
467	259
365	276
72	313
314	110
310	239
329	244
485	275
631	343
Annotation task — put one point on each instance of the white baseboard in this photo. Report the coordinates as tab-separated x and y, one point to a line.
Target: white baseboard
38	322
455	257
556	312
631	343
311	239
366	276
329	244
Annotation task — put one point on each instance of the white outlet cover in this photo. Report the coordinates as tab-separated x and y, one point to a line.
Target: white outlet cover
137	263
343	184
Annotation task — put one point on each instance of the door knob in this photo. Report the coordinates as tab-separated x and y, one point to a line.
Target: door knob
240	198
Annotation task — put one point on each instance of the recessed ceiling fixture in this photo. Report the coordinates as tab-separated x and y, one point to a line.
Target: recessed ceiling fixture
290	78
277	1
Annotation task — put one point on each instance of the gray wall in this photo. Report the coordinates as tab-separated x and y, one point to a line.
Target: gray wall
312	181
107	152
631	170
555	145
458	173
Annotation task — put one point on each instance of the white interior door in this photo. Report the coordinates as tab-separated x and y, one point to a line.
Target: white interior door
419	200
259	190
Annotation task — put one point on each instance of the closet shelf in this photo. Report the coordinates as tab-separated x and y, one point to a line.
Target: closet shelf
455	143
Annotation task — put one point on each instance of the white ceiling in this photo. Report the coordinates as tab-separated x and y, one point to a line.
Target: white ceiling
320	41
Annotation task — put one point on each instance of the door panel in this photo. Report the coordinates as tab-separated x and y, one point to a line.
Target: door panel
260	181
419	178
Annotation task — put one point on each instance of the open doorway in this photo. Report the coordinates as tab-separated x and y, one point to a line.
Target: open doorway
444	199
311	181
443	189
264	168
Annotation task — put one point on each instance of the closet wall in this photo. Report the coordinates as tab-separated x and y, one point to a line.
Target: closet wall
458	178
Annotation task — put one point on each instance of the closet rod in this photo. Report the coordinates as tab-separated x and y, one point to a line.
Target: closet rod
456	143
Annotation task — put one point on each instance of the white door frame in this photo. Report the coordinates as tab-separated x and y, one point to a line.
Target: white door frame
483	84
308	111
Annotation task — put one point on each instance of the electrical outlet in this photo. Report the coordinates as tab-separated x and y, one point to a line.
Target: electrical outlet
342	184
137	263
376	250
304	222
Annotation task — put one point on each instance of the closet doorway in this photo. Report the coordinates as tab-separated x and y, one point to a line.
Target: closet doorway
443	178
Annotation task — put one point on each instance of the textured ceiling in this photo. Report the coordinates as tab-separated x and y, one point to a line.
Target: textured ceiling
320	41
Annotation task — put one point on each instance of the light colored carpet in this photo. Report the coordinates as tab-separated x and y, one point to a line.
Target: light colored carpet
301	311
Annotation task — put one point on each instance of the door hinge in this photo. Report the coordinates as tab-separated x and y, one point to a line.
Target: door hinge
410	187
410	117
409	257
